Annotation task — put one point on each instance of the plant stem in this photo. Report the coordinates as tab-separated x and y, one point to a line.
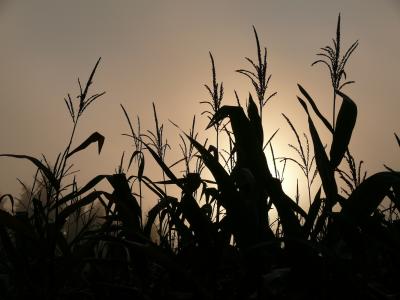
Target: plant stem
309	190
218	206
63	164
334	110
140	203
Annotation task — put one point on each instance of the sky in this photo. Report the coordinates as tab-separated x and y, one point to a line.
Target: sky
157	51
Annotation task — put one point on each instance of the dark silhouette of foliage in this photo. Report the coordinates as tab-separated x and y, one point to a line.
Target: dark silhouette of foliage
212	237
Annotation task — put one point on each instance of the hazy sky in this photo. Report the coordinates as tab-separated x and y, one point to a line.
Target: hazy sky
158	51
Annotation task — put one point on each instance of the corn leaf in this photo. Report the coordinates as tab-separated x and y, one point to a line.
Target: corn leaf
46	171
93	138
315	108
345	123
369	194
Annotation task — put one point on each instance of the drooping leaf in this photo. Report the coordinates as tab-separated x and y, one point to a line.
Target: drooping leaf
93	138
245	138
46	171
224	112
369	194
345	123
249	152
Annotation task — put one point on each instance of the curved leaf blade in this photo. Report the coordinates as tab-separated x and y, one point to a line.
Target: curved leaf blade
46	171
93	138
315	108
369	194
345	123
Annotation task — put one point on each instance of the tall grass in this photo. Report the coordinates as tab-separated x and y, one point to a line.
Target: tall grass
211	237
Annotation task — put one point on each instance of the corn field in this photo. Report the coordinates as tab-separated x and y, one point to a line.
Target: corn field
215	237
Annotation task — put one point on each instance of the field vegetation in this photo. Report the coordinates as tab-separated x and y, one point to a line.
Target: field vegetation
215	237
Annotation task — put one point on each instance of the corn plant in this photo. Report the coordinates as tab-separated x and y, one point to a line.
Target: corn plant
54	221
259	77
331	57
